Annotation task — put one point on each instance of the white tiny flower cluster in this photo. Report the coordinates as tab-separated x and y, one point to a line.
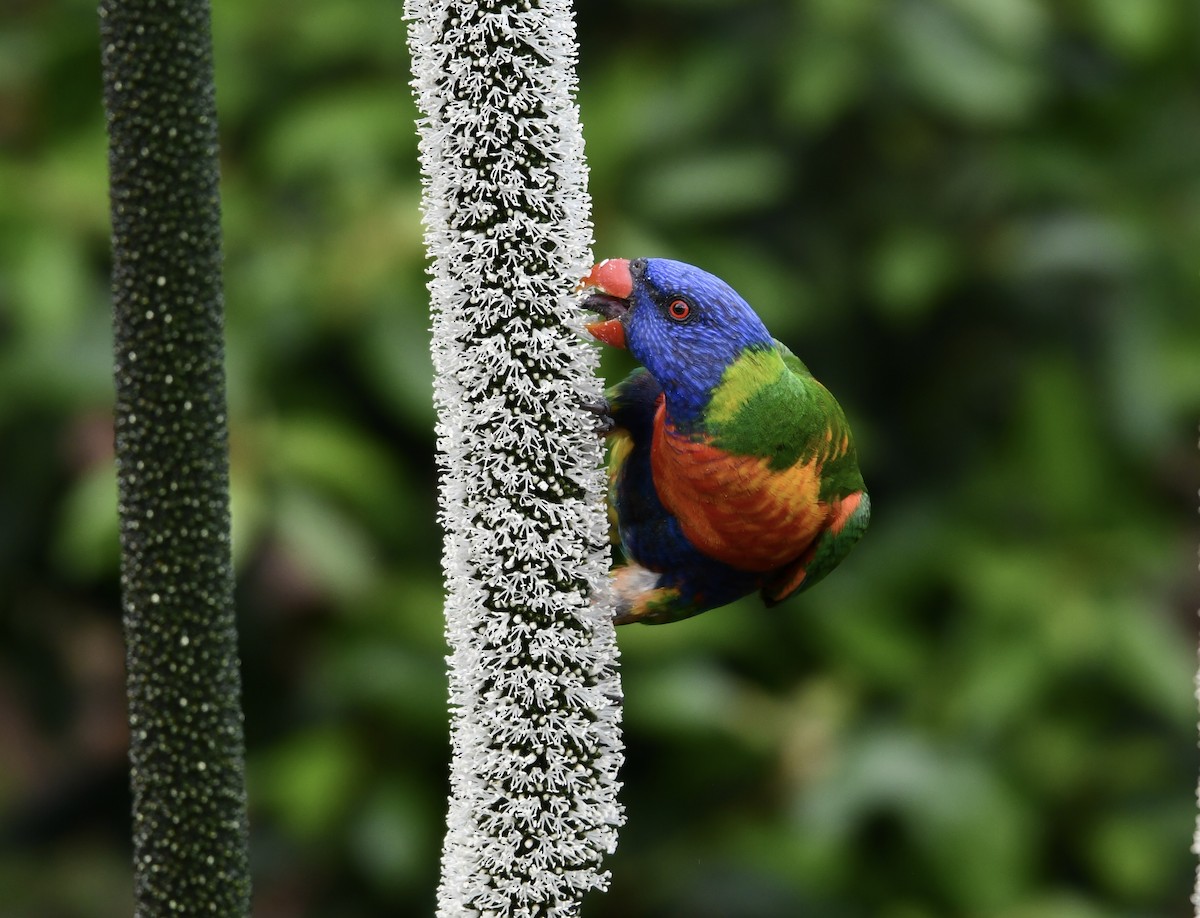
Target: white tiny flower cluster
533	676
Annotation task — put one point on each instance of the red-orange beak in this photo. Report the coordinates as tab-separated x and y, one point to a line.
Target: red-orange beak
610	331
611	283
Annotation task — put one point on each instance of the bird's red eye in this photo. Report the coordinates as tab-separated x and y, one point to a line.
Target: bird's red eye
679	310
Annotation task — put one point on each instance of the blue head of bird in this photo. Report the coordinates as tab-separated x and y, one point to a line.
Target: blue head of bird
681	323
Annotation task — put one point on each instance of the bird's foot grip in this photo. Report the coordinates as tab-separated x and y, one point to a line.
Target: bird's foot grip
603	413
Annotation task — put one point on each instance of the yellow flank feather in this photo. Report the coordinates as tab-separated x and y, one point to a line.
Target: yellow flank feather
620	445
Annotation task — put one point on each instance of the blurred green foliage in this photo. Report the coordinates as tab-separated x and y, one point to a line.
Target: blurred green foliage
976	220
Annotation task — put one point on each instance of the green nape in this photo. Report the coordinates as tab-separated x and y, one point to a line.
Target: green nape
768	404
757	369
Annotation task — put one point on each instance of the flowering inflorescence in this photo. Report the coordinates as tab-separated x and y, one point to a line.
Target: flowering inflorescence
533	679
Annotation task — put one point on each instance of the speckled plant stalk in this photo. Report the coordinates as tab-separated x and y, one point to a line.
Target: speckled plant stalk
533	676
186	750
1196	832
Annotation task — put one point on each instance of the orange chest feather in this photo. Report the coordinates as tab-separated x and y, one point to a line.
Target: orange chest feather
734	508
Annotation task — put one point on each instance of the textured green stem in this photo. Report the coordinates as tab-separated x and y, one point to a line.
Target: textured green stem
186	750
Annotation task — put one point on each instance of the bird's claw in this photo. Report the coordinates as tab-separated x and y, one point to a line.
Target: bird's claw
603	412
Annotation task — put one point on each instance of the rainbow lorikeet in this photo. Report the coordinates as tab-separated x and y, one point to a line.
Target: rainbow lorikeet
731	468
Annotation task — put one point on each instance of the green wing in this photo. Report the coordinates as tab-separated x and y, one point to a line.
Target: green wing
841	481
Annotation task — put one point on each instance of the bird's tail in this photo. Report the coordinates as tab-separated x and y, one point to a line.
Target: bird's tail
652	598
639	594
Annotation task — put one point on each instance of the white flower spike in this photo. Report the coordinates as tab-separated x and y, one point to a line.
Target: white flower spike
534	685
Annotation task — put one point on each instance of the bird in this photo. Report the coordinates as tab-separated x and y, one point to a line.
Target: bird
731	468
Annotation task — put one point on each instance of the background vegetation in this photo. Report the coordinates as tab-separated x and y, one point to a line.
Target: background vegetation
978	221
